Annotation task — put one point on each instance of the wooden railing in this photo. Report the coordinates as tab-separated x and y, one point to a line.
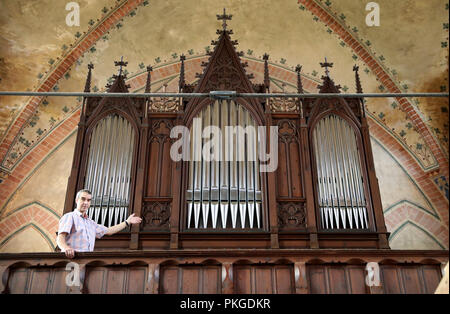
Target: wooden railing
224	271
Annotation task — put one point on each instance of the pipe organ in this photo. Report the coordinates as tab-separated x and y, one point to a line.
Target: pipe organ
224	191
323	194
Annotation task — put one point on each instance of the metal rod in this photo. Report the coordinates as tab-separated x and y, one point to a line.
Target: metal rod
113	167
341	168
99	165
349	132
346	183
360	180
120	166
320	182
214	94
335	189
320	138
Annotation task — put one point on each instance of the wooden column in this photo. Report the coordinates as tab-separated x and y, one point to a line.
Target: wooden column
139	187
271	192
380	225
176	205
308	184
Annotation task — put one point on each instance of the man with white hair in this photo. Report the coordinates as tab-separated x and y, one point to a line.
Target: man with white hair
77	232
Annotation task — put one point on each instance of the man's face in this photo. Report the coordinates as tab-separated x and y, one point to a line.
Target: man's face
83	202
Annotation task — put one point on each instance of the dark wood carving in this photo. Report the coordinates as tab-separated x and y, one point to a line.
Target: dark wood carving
291	216
155	216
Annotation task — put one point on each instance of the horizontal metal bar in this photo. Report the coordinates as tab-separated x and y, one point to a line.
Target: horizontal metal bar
221	94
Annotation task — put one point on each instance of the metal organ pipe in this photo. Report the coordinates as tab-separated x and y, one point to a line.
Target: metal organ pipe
109	169
229	186
342	202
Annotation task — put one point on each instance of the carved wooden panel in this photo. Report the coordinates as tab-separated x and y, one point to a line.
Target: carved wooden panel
263	279
410	278
291	216
155	215
116	279
288	174
159	165
194	279
341	279
42	280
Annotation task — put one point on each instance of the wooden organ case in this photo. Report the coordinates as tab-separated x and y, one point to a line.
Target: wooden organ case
323	194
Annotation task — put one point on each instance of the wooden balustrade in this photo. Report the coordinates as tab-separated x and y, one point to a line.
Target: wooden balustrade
240	271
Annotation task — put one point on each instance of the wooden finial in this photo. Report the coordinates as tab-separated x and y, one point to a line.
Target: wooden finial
120	64
266	71
182	81
224	17
358	82
87	87
149	79
298	69
326	65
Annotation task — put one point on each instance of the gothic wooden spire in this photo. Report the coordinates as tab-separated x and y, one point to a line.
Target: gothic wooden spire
182	81
149	79
298	69
224	69
358	82
87	87
328	85
266	72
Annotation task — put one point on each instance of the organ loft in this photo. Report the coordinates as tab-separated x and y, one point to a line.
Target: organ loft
230	223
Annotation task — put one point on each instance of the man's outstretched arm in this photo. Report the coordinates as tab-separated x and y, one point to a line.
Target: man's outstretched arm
131	221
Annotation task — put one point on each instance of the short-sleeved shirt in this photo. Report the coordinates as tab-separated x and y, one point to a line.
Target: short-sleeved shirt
81	231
